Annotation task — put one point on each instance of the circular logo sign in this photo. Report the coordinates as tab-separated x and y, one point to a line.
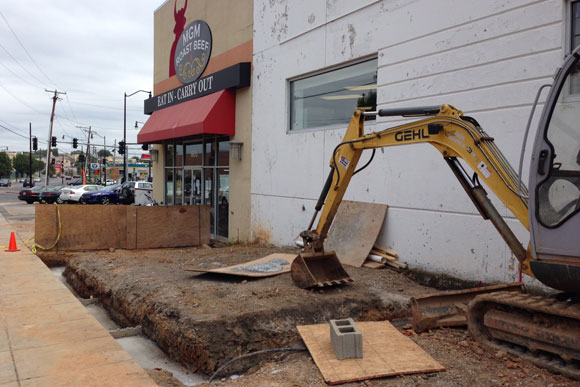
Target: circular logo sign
193	51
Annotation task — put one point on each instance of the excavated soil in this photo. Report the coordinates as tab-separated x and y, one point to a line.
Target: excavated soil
204	320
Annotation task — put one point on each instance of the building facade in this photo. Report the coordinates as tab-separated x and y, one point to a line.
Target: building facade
200	124
317	61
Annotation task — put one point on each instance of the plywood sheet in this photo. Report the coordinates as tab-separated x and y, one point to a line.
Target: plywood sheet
94	227
84	227
386	352
245	269
170	226
355	230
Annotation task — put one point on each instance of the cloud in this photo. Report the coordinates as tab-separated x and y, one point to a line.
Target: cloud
94	51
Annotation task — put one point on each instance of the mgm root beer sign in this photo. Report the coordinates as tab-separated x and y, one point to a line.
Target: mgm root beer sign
193	51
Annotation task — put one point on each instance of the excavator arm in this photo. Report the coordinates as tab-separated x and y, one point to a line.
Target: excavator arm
456	137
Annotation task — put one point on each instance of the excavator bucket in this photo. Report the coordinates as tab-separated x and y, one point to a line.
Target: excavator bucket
318	270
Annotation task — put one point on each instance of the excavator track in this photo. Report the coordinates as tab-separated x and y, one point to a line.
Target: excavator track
540	329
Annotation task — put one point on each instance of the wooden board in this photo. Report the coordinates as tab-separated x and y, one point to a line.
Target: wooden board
171	226
235	269
386	352
373	265
94	227
355	230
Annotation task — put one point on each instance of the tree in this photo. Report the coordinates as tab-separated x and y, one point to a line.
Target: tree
21	164
104	153
5	165
37	165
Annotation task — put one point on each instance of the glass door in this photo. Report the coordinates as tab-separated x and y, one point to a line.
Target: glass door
192	186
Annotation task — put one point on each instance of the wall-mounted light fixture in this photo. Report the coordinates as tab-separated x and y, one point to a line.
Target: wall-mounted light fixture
236	149
154	154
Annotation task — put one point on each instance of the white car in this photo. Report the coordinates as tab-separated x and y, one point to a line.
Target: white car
74	193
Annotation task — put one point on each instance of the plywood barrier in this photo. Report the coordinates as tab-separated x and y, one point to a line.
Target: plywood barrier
98	227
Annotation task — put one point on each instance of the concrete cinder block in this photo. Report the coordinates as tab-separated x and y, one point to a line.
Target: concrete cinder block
346	339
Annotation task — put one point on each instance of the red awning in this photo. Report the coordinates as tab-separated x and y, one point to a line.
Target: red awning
213	114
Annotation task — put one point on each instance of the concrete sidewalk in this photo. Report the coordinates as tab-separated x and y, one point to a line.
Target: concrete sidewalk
47	337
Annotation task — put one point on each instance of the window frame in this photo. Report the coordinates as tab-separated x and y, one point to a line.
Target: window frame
568	23
340	66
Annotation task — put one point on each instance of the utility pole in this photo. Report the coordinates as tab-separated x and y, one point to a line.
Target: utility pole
104	168
88	148
48	154
30	153
115	155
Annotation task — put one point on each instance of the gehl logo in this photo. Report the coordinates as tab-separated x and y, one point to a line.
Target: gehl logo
418	134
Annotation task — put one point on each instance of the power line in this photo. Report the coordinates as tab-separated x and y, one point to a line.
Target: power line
20	64
19	100
18	76
25	50
14	132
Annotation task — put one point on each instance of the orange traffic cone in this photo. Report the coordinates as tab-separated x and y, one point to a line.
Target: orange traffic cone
12	246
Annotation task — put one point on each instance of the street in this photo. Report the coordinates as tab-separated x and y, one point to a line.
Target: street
18	213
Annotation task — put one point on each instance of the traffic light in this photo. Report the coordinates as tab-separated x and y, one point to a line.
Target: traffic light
81	159
104	161
52	161
53	141
121	147
34	143
145	146
75	143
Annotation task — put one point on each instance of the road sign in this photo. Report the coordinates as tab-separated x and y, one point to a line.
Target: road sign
95	166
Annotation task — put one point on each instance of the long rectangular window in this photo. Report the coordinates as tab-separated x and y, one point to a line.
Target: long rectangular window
331	97
574	20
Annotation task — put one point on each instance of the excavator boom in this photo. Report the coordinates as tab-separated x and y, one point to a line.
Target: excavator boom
456	137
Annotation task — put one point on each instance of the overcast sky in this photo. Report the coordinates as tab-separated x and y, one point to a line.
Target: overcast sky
93	50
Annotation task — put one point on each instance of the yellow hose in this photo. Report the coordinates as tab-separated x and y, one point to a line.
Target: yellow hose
36	246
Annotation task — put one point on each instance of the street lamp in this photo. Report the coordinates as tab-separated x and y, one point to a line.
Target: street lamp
125	172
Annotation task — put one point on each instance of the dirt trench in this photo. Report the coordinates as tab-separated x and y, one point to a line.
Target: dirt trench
204	320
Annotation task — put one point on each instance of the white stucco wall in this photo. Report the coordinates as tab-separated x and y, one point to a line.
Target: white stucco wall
487	58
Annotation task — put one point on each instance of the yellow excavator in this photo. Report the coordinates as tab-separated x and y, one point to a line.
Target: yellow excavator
542	329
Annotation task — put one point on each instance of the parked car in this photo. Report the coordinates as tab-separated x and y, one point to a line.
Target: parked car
30	195
107	195
127	195
5	183
51	194
73	194
68	177
37	179
28	183
76	182
22	179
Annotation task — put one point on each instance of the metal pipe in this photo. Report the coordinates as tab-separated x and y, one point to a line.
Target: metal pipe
410	111
495	217
322	196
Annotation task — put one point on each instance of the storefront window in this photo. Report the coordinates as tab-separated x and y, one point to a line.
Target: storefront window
224	151
210	153
223	182
178	186
169	155
330	98
209	193
178	155
169	186
197	173
193	154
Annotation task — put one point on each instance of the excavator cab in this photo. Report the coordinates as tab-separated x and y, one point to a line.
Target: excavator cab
554	201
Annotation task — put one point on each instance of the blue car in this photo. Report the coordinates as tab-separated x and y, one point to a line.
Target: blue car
108	195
